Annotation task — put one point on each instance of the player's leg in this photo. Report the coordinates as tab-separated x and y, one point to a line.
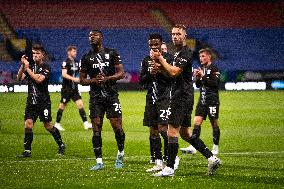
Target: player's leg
173	132
65	98
163	112
97	110
76	97
198	144
114	114
28	139
216	136
116	124
30	117
213	116
200	115
157	149
163	129
196	132
150	120
97	123
57	137
45	117
59	116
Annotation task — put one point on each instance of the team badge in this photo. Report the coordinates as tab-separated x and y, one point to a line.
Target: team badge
107	56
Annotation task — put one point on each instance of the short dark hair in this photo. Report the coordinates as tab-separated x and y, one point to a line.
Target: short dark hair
155	36
38	47
180	26
97	31
208	51
71	47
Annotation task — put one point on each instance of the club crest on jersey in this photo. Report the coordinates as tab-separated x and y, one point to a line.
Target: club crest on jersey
208	72
107	56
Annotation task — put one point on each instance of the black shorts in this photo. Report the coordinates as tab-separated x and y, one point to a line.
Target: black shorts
156	113
43	111
181	112
66	95
109	105
211	110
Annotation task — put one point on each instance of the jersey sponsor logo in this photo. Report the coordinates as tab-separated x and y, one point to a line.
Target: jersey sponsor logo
103	64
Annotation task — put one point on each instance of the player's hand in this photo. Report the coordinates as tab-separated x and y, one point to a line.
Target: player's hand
101	78
155	54
154	69
196	73
24	61
200	72
77	80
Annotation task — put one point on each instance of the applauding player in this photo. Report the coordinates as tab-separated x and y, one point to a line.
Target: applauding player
157	102
207	79
104	68
38	101
70	69
181	102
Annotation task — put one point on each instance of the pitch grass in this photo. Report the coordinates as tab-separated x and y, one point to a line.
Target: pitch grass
250	122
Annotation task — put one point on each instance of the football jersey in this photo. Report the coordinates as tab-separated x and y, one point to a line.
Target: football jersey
103	62
38	92
182	85
209	85
157	85
72	67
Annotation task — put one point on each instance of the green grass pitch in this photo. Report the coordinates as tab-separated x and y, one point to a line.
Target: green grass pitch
251	147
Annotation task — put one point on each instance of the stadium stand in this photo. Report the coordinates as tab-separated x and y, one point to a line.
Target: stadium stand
246	35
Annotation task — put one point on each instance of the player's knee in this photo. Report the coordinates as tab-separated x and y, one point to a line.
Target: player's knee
154	131
62	106
96	122
173	132
48	126
29	124
198	120
184	133
163	128
214	123
79	104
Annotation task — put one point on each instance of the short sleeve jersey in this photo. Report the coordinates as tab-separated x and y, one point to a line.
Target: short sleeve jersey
38	92
182	85
209	85
103	62
158	85
72	67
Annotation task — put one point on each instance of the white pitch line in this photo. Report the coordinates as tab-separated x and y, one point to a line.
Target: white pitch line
251	153
126	157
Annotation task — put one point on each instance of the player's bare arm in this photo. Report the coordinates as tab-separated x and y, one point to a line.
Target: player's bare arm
38	78
69	77
21	75
172	71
